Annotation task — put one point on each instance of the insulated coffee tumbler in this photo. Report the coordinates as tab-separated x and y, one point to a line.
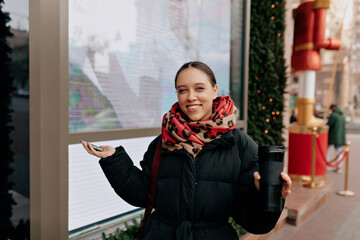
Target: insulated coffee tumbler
271	164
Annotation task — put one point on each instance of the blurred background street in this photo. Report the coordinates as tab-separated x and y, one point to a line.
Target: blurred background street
338	218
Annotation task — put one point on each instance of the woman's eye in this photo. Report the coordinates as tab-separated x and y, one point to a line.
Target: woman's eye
200	88
181	90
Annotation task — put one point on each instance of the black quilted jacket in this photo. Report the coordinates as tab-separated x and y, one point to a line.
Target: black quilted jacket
195	197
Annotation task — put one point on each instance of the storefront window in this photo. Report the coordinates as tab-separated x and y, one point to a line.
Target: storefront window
123	57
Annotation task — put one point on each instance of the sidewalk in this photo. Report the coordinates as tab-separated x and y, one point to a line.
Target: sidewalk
339	217
353	126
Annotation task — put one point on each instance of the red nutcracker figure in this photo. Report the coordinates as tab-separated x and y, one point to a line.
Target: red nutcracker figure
309	38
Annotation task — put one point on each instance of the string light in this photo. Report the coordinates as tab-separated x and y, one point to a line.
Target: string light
256	78
273	113
279	56
270	99
258	91
266	131
272	5
274	117
263	107
277	113
267	120
249	91
279	34
272	17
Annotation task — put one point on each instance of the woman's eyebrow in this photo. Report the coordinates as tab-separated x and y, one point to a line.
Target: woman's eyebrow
199	83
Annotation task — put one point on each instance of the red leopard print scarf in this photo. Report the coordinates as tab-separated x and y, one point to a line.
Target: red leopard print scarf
178	133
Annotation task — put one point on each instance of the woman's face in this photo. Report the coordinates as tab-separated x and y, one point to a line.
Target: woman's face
195	94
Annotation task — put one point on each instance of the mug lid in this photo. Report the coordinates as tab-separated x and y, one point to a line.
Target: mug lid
271	148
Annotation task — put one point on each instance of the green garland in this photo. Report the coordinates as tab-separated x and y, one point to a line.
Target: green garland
129	233
6	155
267	72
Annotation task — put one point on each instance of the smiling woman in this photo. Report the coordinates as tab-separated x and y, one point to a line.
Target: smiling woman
208	171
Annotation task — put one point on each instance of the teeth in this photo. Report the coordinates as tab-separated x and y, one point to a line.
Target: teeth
192	107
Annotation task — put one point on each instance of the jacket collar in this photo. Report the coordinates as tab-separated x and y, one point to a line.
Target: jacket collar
227	140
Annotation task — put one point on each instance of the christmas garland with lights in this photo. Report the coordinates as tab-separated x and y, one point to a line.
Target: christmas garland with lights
6	155
267	72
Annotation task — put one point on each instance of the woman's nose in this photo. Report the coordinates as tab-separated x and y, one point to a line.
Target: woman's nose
192	96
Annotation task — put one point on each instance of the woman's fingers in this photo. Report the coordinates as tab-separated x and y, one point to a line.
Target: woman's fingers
93	151
89	148
86	147
287	180
96	153
257	175
286	189
257	180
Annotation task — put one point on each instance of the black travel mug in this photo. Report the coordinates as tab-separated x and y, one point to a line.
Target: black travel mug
271	164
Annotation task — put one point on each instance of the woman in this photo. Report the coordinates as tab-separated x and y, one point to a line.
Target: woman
208	170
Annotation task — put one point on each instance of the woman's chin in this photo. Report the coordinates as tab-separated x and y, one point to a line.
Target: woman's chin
196	116
194	119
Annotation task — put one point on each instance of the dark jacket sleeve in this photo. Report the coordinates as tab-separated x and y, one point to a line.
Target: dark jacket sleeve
331	121
248	210
128	181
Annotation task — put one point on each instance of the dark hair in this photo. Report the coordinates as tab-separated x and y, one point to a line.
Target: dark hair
333	106
202	67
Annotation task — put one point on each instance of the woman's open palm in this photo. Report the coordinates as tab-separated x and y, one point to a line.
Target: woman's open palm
108	150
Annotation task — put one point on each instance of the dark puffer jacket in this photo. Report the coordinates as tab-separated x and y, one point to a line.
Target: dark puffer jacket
195	197
337	129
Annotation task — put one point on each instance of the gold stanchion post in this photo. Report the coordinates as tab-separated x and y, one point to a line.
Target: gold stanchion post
312	183
346	192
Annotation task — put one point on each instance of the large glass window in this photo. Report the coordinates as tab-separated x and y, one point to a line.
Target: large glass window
123	56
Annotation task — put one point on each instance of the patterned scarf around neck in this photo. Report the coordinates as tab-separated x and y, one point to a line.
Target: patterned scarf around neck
179	133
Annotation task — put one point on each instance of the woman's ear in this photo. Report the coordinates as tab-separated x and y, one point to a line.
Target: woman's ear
216	89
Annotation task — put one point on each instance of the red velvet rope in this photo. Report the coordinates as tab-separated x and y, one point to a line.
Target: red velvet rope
333	160
330	163
338	163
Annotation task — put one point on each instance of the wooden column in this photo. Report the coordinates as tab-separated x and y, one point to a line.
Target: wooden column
48	119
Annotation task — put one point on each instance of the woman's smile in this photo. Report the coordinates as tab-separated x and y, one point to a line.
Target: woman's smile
193	108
